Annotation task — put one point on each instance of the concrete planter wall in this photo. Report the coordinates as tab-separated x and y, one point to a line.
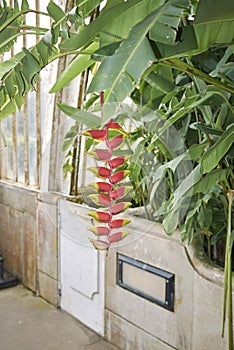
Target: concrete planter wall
133	322
29	240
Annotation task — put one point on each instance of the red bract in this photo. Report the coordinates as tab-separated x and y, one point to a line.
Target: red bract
120	192
114	125
100	171
101	154
118	161
119	176
119	207
100	230
119	223
100	216
117	236
98	135
101	186
99	244
108	193
115	142
100	199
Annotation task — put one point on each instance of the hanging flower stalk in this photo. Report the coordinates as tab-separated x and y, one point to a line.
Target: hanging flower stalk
110	191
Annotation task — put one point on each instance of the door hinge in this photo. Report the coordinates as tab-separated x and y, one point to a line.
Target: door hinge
60	289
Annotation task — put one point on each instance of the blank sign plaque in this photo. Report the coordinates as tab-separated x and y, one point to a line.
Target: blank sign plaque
147	281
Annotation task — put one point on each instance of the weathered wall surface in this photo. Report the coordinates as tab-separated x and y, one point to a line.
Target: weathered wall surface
28	238
18	232
135	323
47	247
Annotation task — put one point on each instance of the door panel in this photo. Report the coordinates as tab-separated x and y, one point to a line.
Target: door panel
81	268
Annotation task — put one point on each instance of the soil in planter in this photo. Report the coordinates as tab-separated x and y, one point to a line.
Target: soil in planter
217	252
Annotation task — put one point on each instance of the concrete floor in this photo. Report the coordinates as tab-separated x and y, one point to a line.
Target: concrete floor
29	323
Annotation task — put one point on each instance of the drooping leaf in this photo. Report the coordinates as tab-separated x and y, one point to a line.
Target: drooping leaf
186	186
211	179
130	60
77	66
8	108
55	11
208	130
171	221
213	156
7	66
83	117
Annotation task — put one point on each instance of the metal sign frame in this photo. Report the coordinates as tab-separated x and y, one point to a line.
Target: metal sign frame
168	302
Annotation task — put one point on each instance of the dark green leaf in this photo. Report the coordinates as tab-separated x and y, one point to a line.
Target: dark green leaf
211	179
171	222
83	117
7	109
16	6
87	6
186	187
213	156
55	11
133	56
207	129
43	51
77	65
104	51
10	86
196	150
133	10
25	5
32	65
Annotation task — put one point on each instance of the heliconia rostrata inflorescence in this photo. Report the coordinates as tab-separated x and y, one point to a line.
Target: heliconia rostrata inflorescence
110	191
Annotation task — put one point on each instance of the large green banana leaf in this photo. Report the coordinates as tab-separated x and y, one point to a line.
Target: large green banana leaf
119	73
75	67
19	74
213	24
117	20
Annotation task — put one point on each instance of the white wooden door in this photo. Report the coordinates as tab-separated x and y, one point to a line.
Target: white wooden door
81	268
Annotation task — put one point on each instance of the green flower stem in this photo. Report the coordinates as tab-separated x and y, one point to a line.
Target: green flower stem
228	275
